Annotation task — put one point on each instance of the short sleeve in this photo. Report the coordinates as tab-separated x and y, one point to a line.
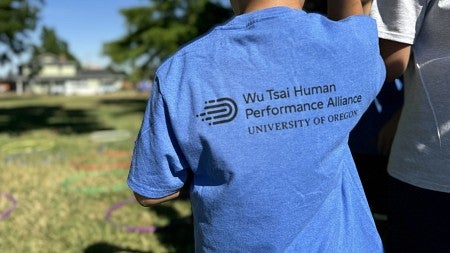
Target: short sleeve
156	169
362	41
398	20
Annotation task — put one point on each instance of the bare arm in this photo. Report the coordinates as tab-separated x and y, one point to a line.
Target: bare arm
144	201
367	5
396	57
340	9
387	133
183	192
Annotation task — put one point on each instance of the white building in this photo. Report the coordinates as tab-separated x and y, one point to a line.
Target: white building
50	74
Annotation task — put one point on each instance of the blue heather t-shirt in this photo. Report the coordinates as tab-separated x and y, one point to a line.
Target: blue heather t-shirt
259	111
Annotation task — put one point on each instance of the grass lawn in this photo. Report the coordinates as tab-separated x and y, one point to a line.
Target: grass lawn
63	165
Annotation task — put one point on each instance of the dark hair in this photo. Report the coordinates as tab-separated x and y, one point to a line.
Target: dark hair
317	6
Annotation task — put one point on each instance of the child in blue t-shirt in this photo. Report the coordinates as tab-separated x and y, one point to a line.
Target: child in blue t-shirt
255	118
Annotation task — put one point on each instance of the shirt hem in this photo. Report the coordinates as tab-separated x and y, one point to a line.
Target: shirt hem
397	37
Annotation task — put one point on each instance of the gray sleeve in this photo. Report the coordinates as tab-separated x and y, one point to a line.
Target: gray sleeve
399	20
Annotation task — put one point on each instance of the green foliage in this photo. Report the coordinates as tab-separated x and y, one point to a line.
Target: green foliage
156	31
17	19
51	43
52	148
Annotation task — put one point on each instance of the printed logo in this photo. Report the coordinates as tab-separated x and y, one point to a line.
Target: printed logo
219	111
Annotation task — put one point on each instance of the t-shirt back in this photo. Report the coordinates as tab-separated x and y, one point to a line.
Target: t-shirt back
259	111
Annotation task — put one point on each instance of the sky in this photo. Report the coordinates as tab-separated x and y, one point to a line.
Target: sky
86	25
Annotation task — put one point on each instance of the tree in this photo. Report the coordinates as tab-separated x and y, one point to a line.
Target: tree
156	31
51	43
17	19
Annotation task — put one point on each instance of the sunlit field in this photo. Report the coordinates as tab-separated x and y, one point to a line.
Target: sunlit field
63	165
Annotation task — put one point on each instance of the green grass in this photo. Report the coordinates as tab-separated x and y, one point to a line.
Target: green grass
65	182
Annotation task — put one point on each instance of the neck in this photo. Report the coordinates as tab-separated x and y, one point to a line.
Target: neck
254	5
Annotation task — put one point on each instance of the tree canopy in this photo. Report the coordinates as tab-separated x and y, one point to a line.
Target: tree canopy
51	43
17	19
156	31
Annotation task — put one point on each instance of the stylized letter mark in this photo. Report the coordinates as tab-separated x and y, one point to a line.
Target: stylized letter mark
219	111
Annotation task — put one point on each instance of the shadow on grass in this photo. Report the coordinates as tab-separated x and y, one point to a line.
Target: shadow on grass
179	234
104	247
132	105
18	120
